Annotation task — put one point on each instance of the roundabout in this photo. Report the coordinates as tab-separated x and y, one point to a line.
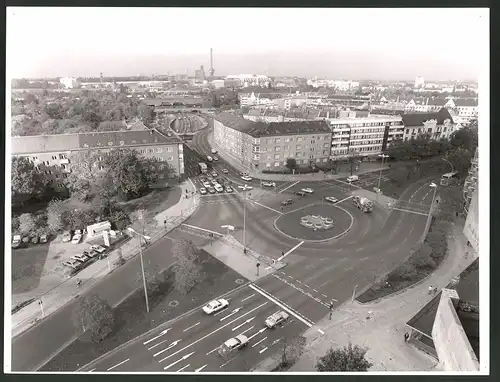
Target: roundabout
315	223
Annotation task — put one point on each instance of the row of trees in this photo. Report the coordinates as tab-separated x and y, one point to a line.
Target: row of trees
47	113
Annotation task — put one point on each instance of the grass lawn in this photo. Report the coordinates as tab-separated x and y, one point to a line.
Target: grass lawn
27	267
132	320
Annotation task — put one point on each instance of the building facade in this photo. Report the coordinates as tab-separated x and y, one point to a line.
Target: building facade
437	125
70	82
52	153
264	146
364	136
470	184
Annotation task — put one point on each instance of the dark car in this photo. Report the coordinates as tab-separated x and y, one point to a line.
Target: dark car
34	239
300	193
26	239
211	190
286	202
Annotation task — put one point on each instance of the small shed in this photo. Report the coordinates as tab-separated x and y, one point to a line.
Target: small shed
96	230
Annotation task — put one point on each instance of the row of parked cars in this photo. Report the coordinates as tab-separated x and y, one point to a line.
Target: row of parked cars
78	262
18	240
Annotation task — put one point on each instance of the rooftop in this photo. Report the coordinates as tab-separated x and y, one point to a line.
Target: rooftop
418	119
465	102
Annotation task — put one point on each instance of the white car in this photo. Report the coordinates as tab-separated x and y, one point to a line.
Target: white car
308	190
268	184
331	199
80	258
276	319
73	264
214	151
216	158
207	184
203	191
352	178
246	178
209	158
234	343
98	248
225	171
76	238
215	306
218	188
245	188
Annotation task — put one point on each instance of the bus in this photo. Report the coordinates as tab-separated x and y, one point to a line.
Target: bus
449	178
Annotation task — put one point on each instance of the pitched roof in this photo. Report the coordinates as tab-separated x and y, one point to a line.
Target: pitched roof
418	119
82	141
465	102
437	101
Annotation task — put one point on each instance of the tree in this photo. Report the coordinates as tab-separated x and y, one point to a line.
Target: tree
348	358
398	175
153	279
187	272
451	203
146	114
465	138
421	258
93	314
291	348
27	182
120	260
26	224
55	211
291	164
460	158
85	177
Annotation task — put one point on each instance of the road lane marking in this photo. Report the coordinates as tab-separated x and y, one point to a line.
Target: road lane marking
224	364
118	364
283	273
254	345
290	251
182	368
299	281
169	347
343	200
290	186
201	368
90	371
269	208
232	313
290	277
411	212
257	333
280	305
315	290
307	286
211	351
359	249
324	295
179	360
191	327
220	311
263	350
215	331
248	297
158	344
246	330
244	323
158	336
202	229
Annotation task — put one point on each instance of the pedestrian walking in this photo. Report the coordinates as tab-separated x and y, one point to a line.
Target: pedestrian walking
430	289
435	290
78	282
406	336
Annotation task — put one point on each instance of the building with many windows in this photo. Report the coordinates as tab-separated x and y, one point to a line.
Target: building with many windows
437	124
264	146
52	153
366	137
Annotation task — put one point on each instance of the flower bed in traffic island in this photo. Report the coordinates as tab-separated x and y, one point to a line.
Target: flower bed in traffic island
318	222
131	319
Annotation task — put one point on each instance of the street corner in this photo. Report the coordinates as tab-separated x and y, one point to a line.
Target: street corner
315	223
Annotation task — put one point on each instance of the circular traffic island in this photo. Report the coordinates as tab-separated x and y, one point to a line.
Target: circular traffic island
319	222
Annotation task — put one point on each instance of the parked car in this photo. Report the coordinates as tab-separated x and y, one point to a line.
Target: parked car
35	239
308	190
300	193
214	174
331	199
276	319
245	187
211	190
352	178
287	202
16	241
90	253
81	258
26	239
44	239
98	248
225	171
214	182
203	180
209	158
215	306
73	264
207	184
268	184
246	178
214	151
216	158
218	188
244	174
78	231
66	236
229	189
203	191
234	343
77	238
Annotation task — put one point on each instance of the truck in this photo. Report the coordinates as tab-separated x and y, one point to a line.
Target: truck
203	167
364	204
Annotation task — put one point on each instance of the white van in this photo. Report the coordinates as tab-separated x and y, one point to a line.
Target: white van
352	178
209	158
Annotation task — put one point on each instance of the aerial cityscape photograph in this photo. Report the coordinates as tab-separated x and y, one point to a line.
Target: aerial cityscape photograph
192	192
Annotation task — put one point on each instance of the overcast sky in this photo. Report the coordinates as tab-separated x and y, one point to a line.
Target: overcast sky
380	44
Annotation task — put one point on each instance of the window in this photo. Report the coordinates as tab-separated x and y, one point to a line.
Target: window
170	149
161	176
276	140
298	147
54	157
286	147
268	164
277	148
122	143
170	159
47	163
299	139
276	164
276	156
110	143
151	150
429	130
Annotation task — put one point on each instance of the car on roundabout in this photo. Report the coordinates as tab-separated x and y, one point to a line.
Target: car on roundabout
214	151
300	193
327	221
203	191
216	158
287	202
307	190
246	178
318	225
234	343
331	199
308	224
276	319
267	184
215	305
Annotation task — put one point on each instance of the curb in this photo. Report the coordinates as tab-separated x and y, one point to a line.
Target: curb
165	324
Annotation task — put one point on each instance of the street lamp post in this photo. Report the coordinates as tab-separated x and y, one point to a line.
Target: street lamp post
245	188
428	223
451	164
380	173
130	229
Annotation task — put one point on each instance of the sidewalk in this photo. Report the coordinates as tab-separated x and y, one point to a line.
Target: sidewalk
365	167
64	292
384	332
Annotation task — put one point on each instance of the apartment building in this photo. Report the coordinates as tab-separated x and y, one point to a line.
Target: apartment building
263	145
437	124
52	153
364	136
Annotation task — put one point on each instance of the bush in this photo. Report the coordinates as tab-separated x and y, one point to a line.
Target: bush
405	271
421	258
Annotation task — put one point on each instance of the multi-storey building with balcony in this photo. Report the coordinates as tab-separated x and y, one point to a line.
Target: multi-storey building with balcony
264	146
366	137
470	184
437	124
52	153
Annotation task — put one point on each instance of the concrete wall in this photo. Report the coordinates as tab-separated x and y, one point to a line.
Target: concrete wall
452	345
471	227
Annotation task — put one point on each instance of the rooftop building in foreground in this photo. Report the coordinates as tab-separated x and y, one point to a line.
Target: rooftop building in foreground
262	146
52	153
447	328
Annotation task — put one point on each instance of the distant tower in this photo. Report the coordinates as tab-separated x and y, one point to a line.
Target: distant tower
102	78
212	70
